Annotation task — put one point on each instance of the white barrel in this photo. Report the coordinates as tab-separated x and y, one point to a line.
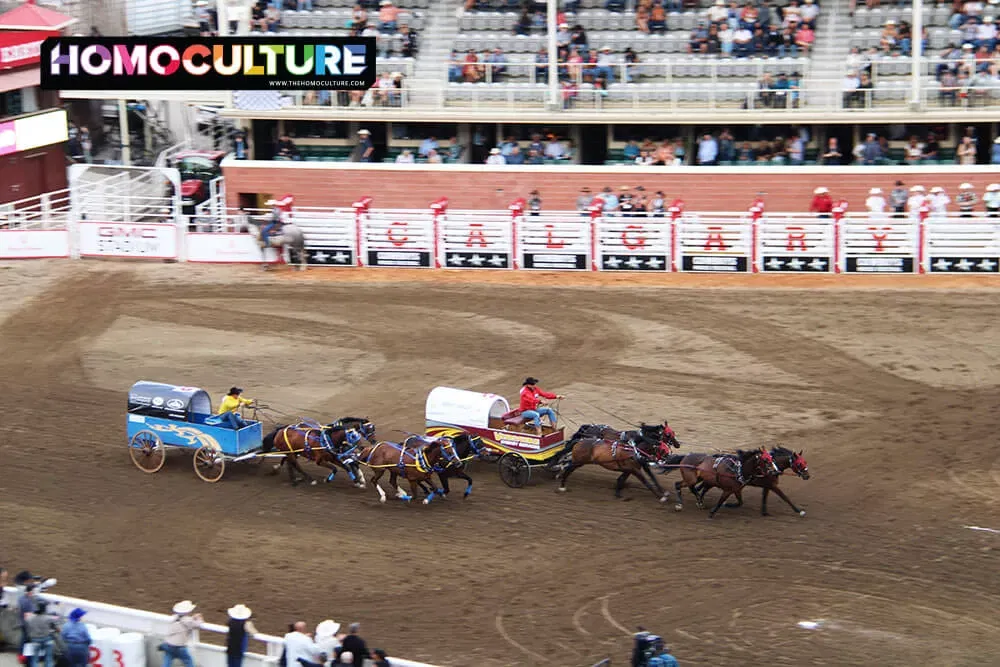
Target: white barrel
102	647
131	649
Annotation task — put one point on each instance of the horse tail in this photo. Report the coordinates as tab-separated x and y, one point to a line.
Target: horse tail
267	444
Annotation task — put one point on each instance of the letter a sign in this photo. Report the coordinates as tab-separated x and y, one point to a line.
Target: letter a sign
714	240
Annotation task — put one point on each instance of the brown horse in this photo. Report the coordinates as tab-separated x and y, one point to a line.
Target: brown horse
328	446
628	458
784	459
416	459
729	472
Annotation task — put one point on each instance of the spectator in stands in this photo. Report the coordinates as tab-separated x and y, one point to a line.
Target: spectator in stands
179	634
948	93
327	639
725	37
718	12
408	46
353	643
434	157
554	149
832	155
746	154
365	150
610	200
454	67
497	64
427	145
388	17
871	152
742	42
966	152
272	19
406	157
914	151
76	637
644	159
300	649
495	157
523	24
515	156
995	151
658	18
204	18
471	71
804	39
642	16
359	18
708	150
727	146
698	36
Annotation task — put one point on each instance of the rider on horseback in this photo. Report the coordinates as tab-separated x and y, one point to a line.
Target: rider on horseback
229	407
273	227
531	407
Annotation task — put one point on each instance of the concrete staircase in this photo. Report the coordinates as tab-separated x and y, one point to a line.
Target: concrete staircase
430	73
829	57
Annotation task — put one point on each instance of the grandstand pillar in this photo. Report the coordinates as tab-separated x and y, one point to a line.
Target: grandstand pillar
124	136
552	7
917	49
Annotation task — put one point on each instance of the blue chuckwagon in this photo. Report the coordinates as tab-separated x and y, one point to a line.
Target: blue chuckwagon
164	416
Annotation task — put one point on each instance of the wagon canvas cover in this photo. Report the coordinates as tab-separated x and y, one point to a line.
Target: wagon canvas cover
167	400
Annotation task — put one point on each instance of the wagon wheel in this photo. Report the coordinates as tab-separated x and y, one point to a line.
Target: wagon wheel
209	463
147	451
514	470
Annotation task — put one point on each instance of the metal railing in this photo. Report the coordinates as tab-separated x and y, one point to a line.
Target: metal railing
819	96
48	211
649	71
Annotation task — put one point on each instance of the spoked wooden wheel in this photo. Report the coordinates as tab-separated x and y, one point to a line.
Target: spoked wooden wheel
147	451
514	470
209	463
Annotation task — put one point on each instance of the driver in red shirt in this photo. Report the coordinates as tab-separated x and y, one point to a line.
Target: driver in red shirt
531	404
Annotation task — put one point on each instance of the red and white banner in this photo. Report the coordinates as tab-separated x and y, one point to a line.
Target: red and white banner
399	239
632	244
34	243
223	249
476	240
113	239
20	48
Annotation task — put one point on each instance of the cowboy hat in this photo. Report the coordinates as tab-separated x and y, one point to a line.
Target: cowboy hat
327	628
917	188
875	191
240	612
965	186
494	151
363	132
997	140
937	188
993	187
820	190
529	380
184	607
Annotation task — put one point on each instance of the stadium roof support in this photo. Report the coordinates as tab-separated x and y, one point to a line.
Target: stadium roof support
917	49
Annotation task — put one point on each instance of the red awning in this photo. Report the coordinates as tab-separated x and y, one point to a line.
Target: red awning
32	17
22	78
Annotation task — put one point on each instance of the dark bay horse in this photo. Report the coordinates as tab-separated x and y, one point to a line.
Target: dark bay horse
784	459
416	459
650	443
729	472
328	446
465	448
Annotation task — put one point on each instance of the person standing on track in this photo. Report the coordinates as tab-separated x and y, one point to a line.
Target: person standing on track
179	634
229	408
531	404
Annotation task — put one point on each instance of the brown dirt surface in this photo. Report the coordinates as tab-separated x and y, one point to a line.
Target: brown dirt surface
890	385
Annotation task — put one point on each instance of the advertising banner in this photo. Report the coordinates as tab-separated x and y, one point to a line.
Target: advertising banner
34	244
107	239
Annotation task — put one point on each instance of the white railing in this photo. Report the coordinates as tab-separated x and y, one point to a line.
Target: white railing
643	98
208	651
47	211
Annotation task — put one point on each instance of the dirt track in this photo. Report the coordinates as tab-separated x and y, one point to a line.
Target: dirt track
891	393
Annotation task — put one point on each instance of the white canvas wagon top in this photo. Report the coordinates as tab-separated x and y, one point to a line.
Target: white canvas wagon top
446	405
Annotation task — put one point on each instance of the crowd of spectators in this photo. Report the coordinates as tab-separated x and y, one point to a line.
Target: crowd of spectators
45	635
539	150
746	30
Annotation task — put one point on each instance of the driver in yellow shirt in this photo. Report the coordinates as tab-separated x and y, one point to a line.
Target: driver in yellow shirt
229	408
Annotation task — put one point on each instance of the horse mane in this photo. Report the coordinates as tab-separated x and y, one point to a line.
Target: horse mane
778	450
